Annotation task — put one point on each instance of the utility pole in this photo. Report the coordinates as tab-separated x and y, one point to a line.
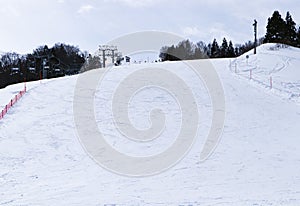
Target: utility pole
255	35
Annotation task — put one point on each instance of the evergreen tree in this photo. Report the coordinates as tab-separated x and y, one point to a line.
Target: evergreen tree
298	38
276	29
201	50
224	48
209	50
172	56
168	53
93	62
230	51
236	51
163	55
215	49
184	50
291	32
198	54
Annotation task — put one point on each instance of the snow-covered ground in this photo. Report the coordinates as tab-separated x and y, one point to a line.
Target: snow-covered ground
276	63
257	161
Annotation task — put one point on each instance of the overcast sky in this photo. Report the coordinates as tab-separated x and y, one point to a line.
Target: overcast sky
26	24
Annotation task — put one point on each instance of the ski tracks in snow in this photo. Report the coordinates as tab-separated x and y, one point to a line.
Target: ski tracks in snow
270	71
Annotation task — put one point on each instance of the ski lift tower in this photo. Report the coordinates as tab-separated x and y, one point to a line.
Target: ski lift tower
108	50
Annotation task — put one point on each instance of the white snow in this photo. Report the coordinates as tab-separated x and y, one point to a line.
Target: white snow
279	62
257	161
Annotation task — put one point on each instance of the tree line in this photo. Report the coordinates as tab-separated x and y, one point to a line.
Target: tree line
43	62
278	31
187	50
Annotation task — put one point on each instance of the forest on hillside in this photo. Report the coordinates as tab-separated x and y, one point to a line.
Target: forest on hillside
278	30
43	62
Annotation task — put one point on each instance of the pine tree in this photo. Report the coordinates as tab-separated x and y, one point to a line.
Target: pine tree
291	32
230	51
276	29
208	52
298	38
215	49
236	51
201	50
198	54
184	50
224	48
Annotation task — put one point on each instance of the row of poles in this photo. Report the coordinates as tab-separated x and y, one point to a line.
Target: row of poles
251	75
12	102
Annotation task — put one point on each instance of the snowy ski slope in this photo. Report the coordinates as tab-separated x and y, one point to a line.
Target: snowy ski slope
257	161
275	61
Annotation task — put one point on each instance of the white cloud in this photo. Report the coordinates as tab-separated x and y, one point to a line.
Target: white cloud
198	20
137	3
191	31
10	11
85	9
216	30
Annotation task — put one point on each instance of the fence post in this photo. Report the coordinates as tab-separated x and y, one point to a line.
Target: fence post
235	67
271	82
250	73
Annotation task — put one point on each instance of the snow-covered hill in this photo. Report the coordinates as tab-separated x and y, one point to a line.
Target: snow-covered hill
275	61
257	161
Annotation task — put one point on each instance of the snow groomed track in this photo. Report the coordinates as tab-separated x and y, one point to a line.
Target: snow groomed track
257	161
